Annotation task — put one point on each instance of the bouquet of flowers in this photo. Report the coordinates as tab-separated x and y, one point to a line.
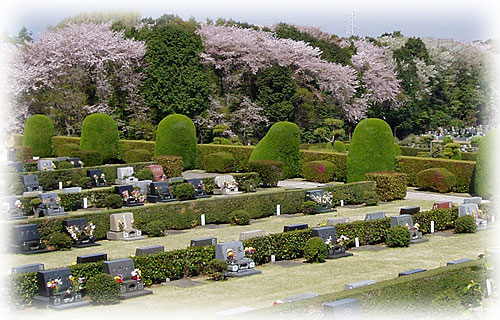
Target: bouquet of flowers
54	285
324	199
249	251
103	178
341	241
119	278
76	284
231	255
125	195
19	204
121	225
416	226
74	231
136	274
88	230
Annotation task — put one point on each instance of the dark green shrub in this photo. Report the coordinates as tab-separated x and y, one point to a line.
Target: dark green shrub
67	149
176	135
137	155
221	140
113	201
60	241
38	133
281	143
465	224
145	174
308	207
154	228
23	153
34	203
103	289
85	182
172	165
219	162
389	185
315	250
436	179
100	133
397	150
270	172
487	160
398	236
239	217
249	185
371	198
216	269
475	141
452	151
241	155
318	171
447	139
90	158
64	165
371	149
339	146
184	191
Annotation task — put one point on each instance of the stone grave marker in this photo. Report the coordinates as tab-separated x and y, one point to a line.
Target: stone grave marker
323	201
62	159
72	190
406	220
413	271
31	184
76	162
158	174
26	239
159	192
409	210
98	178
476	200
131	285
80	231
354	285
130	197
245	235
375	216
329	236
34	267
50	205
12	209
472	209
149	250
442	205
297	226
17	166
342	309
302	296
45	165
239	265
199	188
142	186
94	257
122	227
454	262
226	185
335	221
125	175
203	242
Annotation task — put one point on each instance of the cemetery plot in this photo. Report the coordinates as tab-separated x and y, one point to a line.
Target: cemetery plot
50	205
130	196
124	271
159	192
158	174
472	209
12	209
122	227
225	185
45	165
31	185
81	232
406	220
336	246
125	176
323	201
239	261
142	186
199	187
26	239
98	178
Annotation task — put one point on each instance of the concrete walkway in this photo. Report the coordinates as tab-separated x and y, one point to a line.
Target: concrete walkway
437	197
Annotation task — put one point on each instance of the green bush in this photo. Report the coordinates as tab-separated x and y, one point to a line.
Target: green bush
476	141
308	207
239	217
452	151
103	289
100	133
412	151
315	250
447	139
397	149
221	140
465	224
172	165
90	158
219	162
85	182
249	185
184	191
338	146
487	160
270	172
241	155
64	165
154	228
67	149
281	143
398	236
38	133
23	153
318	171
176	135
59	241
371	149
389	185
371	198
436	179
114	201
216	269
145	174
137	155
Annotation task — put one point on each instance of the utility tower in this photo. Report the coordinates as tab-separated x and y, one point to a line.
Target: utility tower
350	25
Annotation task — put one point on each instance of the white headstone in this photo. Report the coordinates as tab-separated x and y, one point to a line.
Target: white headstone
125	172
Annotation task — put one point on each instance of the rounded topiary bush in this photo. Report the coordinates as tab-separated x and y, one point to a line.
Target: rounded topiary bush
452	151
90	158
318	171
221	140
114	201
216	269
389	185
436	179
103	289
137	155
308	207
465	224
315	250
60	241
145	174
100	133
269	171
85	182
38	133
67	149
239	217
397	150
485	169
338	146
281	143
371	149
398	236
176	135
219	162
154	228
184	191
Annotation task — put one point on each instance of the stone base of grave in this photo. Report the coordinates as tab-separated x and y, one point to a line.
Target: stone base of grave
20	249
415	241
18	217
31	193
133	294
155	199
338	255
482	224
126	204
223	192
242	273
49	302
85	245
119	235
324	210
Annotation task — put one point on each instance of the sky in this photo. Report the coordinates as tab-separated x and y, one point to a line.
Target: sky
459	20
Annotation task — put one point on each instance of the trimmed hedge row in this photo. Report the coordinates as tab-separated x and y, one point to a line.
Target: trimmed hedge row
241	155
390	185
413	152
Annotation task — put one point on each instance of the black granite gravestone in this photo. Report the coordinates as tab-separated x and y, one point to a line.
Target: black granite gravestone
199	188
297	226
124	268
92	258
203	242
409	210
320	198
50	205
98	178
13	209
80	231
62	292
159	192
26	239
130	199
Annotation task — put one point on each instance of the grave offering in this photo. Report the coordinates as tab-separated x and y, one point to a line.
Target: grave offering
297	226
406	220
45	165
81	232
413	271
335	221
375	216
358	284
149	250
98	178
50	205
58	289
125	176
336	246
323	201
203	242
201	192
26	239
76	162
159	192
142	186
442	205
34	267
131	197
124	271
239	260
245	235
158	174
122	227
92	258
12	209
302	296
471	209
226	185
409	210
31	184
476	200
342	309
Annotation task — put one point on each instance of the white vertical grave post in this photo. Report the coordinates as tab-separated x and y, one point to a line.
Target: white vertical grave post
60	185
356	242
432	226
202	218
273	258
341	203
278	209
84	203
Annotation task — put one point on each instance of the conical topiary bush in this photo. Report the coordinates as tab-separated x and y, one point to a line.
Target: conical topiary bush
38	133
100	133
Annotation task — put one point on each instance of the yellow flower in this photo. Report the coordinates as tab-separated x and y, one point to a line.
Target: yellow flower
73	263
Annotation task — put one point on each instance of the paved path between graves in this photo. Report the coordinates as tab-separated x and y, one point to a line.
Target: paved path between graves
438	197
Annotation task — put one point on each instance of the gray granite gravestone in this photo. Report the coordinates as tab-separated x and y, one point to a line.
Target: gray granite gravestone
129	287
203	242
413	271
142	185
329	236
302	296
50	205
472	209
476	200
122	227
34	267
375	215
72	190
354	285
406	220
245	235
335	221
149	250
64	296
45	165
12	209
458	261
31	184
240	265
342	309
